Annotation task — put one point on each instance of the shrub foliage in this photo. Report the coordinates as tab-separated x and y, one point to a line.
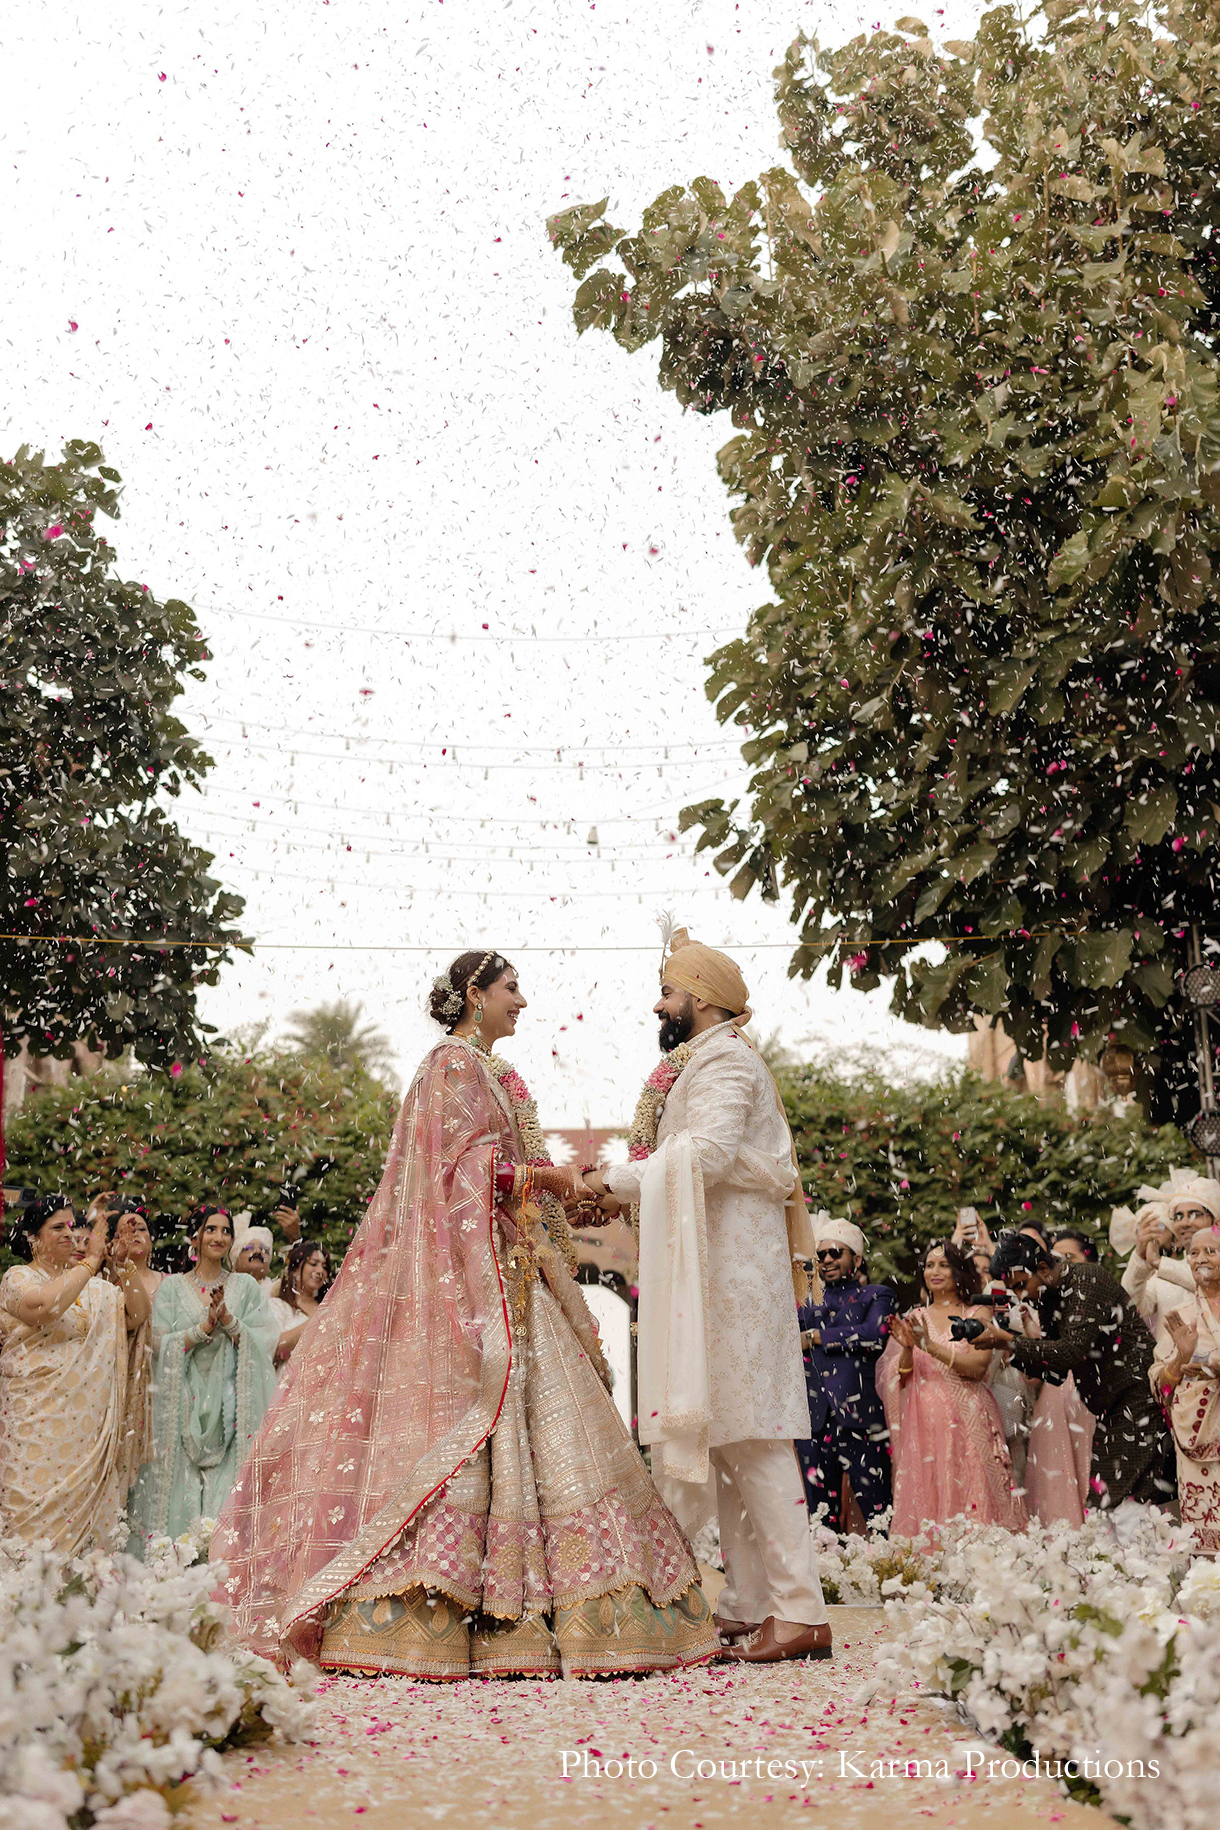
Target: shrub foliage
900	1161
232	1131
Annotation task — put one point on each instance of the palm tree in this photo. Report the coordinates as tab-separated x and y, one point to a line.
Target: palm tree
336	1033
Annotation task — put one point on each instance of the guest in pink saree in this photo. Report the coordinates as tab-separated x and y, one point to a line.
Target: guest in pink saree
950	1456
442	1486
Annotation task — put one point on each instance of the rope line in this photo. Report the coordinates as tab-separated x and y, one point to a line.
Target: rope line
372	845
453	762
460	743
440	635
322	946
645	817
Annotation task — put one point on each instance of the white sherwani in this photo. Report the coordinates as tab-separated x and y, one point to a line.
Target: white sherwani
730	1316
725	1098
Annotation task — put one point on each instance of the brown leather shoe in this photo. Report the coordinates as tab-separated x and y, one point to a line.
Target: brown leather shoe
731	1630
764	1649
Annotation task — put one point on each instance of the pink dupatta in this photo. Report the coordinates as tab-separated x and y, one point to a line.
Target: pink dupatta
397	1381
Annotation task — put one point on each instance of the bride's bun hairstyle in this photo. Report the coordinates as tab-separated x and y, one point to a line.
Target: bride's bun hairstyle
479	969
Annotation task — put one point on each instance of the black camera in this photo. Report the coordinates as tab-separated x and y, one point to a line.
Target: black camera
965	1327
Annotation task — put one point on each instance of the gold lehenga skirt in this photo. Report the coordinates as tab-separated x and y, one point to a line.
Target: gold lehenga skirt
550	1551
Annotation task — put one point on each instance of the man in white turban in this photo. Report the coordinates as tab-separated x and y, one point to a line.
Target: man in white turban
722	1221
1157	1277
846	1460
252	1248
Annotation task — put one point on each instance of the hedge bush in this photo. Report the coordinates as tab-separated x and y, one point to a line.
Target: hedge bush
900	1161
229	1131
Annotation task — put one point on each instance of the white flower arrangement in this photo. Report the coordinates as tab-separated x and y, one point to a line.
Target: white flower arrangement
1200	1593
118	1686
1100	1645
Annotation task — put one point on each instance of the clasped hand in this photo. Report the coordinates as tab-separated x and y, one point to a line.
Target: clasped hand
607	1204
218	1313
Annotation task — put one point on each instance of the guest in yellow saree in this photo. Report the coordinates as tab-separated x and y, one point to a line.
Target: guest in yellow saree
443	1486
68	1410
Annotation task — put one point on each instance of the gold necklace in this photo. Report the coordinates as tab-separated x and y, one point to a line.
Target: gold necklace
476	1041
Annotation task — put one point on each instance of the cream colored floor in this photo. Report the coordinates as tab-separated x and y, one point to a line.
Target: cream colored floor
395	1754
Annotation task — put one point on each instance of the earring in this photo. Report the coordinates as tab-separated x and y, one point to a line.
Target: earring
478	1021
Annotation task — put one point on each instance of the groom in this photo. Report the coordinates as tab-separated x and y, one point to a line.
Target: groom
722	1218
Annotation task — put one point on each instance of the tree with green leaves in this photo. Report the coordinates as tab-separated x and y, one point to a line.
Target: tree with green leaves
966	334
89	749
336	1033
235	1130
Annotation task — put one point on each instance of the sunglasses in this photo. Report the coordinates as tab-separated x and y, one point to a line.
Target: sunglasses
834	1251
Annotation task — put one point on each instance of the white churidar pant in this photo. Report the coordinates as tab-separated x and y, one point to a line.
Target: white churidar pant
769	1561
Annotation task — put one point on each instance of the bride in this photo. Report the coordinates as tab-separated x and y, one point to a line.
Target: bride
443	1486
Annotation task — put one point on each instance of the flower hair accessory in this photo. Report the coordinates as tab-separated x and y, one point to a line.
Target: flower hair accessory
454	1000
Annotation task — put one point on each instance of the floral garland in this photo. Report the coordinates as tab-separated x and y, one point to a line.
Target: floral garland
533	1144
642	1138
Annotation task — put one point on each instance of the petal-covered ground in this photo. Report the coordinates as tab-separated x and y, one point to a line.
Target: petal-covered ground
773	1741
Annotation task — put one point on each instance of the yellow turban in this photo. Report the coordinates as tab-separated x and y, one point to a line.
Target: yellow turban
706	974
715	978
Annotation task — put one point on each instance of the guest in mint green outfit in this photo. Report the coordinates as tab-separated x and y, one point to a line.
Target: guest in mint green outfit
214	1340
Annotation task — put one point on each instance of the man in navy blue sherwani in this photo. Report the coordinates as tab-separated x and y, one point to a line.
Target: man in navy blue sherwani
843	1336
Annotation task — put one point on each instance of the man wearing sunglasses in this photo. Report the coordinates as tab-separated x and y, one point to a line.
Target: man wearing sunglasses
846	1462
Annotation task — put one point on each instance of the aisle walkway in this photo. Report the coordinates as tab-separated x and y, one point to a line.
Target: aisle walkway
397	1755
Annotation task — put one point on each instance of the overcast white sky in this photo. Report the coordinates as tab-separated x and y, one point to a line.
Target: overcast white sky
286	260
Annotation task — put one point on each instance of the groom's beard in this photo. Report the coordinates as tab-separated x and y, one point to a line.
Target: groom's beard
676	1030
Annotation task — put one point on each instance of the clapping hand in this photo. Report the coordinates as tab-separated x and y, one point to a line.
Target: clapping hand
902	1331
99	1241
1151	1235
918	1323
120	1245
1183	1334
